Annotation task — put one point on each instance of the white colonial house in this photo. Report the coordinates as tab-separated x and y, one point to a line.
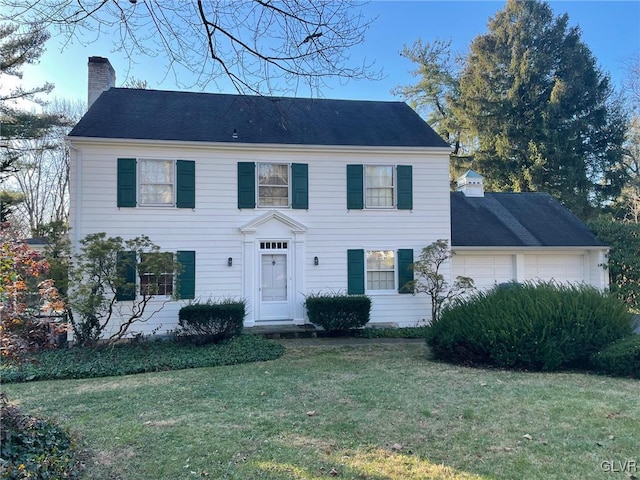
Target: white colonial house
271	199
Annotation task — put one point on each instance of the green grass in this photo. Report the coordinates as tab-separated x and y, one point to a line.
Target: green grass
362	411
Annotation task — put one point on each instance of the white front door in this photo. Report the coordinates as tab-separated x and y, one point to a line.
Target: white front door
274	286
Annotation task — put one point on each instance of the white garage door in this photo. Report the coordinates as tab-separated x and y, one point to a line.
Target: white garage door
558	268
486	270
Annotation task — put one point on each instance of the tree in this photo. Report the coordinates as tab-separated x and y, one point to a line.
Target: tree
42	175
17	48
258	45
624	261
541	115
24	294
431	280
104	285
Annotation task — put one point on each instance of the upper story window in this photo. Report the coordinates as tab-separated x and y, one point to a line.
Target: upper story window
273	185
379	186
156	181
148	182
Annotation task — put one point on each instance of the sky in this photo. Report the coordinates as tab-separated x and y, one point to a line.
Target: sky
611	29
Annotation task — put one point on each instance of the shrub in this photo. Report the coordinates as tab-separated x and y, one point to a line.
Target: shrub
33	447
621	358
541	327
209	322
338	313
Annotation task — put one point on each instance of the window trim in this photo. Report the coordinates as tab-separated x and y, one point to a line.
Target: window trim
393	290
394	187
258	185
139	184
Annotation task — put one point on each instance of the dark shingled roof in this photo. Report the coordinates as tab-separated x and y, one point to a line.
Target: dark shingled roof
205	117
516	220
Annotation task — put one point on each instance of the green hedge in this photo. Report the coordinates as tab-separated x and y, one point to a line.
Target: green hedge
541	327
209	322
338	313
621	358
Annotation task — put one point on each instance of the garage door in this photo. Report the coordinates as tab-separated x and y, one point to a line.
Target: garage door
558	268
486	270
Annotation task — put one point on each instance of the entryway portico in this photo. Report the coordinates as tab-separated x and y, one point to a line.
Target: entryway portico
273	269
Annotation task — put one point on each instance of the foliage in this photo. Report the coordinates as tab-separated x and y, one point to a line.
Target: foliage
210	322
25	293
404	332
257	46
621	358
337	312
32	447
18	47
531	107
139	357
99	274
534	326
624	262
432	282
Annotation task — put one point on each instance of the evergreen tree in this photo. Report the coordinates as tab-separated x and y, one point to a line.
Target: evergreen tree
19	47
528	106
542	112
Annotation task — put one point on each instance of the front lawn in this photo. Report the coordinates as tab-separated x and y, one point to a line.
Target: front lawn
367	411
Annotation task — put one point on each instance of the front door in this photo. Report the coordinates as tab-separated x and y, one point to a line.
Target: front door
274	285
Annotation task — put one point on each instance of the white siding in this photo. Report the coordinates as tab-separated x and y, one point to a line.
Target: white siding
494	266
212	229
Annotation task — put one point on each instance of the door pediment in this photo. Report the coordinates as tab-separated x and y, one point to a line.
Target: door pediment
273	217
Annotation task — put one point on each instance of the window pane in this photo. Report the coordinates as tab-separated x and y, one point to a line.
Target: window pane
379	186
273	185
156	182
156	282
380	269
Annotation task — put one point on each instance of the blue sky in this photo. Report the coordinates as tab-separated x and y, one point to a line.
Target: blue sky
611	29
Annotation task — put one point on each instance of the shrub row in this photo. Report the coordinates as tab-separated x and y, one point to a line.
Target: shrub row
621	358
337	312
210	322
540	327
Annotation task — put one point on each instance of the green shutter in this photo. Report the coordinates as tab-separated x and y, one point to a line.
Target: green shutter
185	184
127	182
187	275
355	187
246	185
126	268
404	174
299	185
355	272
405	272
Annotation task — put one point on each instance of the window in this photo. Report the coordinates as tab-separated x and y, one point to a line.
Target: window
156	182
379	186
153	280
273	185
376	270
279	185
380	266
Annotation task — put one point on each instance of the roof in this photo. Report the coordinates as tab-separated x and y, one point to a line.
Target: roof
516	220
206	117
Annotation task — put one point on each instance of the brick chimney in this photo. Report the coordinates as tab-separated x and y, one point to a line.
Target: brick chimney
102	77
471	184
